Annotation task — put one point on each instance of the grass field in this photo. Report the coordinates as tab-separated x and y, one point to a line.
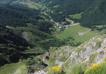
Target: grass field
15	68
77	32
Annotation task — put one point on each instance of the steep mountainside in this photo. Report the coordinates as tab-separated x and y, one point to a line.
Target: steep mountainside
11	46
60	9
22	25
95	14
52	36
27	17
89	12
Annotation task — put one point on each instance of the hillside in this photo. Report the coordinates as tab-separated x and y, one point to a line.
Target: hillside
26	17
95	14
52	37
92	12
60	9
11	46
76	34
24	31
80	59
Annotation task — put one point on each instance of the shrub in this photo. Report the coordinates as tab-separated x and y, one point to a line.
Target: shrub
76	69
96	69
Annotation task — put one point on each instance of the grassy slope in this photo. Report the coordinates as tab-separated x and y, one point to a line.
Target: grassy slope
73	33
15	68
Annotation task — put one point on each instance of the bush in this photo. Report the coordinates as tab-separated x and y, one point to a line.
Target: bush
96	69
76	69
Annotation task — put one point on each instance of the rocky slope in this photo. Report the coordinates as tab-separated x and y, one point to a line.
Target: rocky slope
88	53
